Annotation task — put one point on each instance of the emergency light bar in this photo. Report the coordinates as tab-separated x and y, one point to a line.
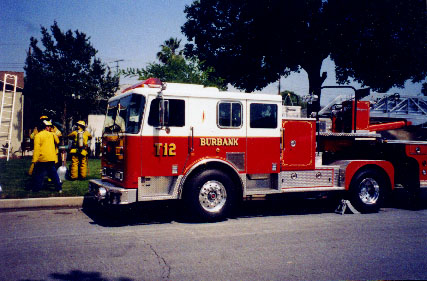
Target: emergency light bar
150	83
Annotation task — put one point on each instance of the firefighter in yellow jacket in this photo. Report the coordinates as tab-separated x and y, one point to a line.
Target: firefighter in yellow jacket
79	152
44	157
36	131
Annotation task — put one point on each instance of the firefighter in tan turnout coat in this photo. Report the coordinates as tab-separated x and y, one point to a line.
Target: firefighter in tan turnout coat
79	151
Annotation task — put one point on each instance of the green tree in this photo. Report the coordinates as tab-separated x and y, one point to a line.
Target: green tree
251	43
65	77
174	67
290	98
169	50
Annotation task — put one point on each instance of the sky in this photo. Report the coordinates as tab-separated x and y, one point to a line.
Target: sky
126	30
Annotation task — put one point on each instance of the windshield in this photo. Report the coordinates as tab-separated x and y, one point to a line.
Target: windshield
125	115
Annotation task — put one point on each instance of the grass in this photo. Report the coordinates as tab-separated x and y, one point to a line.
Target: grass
16	183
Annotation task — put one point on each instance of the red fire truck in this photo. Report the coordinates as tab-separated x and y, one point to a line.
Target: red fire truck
164	141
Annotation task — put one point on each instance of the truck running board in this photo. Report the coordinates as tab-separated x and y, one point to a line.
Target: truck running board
312	189
263	191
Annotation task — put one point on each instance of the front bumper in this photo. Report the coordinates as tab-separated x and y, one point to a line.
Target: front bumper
112	194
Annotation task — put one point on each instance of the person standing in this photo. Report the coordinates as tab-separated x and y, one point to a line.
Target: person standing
33	135
44	157
35	131
79	153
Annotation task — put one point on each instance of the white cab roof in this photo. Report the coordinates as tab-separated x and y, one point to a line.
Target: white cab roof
193	90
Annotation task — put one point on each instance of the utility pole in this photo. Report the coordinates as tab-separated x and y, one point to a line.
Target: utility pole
117	65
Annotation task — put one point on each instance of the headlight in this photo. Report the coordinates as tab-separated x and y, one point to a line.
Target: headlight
102	192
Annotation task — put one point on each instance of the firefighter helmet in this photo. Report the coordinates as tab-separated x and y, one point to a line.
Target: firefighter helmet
44	117
81	123
47	123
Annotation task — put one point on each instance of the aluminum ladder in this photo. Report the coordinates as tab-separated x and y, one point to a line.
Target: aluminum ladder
7	109
411	108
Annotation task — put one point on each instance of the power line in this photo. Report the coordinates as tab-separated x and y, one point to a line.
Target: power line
3	62
11	65
5	68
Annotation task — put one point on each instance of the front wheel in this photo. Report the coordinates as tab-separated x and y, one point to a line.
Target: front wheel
367	191
210	195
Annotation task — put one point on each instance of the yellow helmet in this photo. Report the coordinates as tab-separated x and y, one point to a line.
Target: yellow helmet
81	123
44	117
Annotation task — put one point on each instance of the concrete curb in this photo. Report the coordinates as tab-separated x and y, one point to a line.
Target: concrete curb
41	202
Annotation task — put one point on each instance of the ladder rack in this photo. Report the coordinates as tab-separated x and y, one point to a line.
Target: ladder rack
7	109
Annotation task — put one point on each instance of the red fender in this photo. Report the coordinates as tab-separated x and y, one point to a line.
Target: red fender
356	165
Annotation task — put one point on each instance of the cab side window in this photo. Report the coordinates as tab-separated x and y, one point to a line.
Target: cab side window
229	115
176	113
263	116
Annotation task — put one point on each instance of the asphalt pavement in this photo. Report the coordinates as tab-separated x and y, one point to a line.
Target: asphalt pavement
399	196
281	239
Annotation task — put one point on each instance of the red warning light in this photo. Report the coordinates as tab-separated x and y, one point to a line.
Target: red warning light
150	83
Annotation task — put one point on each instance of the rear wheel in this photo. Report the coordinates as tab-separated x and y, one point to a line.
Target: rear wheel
367	191
210	195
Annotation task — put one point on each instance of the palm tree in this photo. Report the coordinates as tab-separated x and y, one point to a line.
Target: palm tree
169	49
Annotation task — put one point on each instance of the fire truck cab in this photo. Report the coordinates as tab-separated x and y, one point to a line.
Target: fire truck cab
211	148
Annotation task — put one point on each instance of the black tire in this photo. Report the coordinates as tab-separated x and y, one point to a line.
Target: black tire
210	195
367	190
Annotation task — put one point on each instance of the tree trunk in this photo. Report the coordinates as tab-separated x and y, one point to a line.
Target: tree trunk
64	120
315	81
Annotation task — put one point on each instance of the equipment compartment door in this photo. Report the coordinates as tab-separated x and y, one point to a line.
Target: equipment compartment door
263	138
299	144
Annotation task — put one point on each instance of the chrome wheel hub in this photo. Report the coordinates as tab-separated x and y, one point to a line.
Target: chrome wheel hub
369	191
212	196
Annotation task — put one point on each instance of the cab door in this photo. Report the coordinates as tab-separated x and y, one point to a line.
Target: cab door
165	148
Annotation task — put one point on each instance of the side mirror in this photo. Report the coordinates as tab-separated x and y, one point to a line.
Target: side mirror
163	113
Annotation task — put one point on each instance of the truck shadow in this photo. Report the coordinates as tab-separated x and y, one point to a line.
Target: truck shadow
156	212
401	199
78	275
162	212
